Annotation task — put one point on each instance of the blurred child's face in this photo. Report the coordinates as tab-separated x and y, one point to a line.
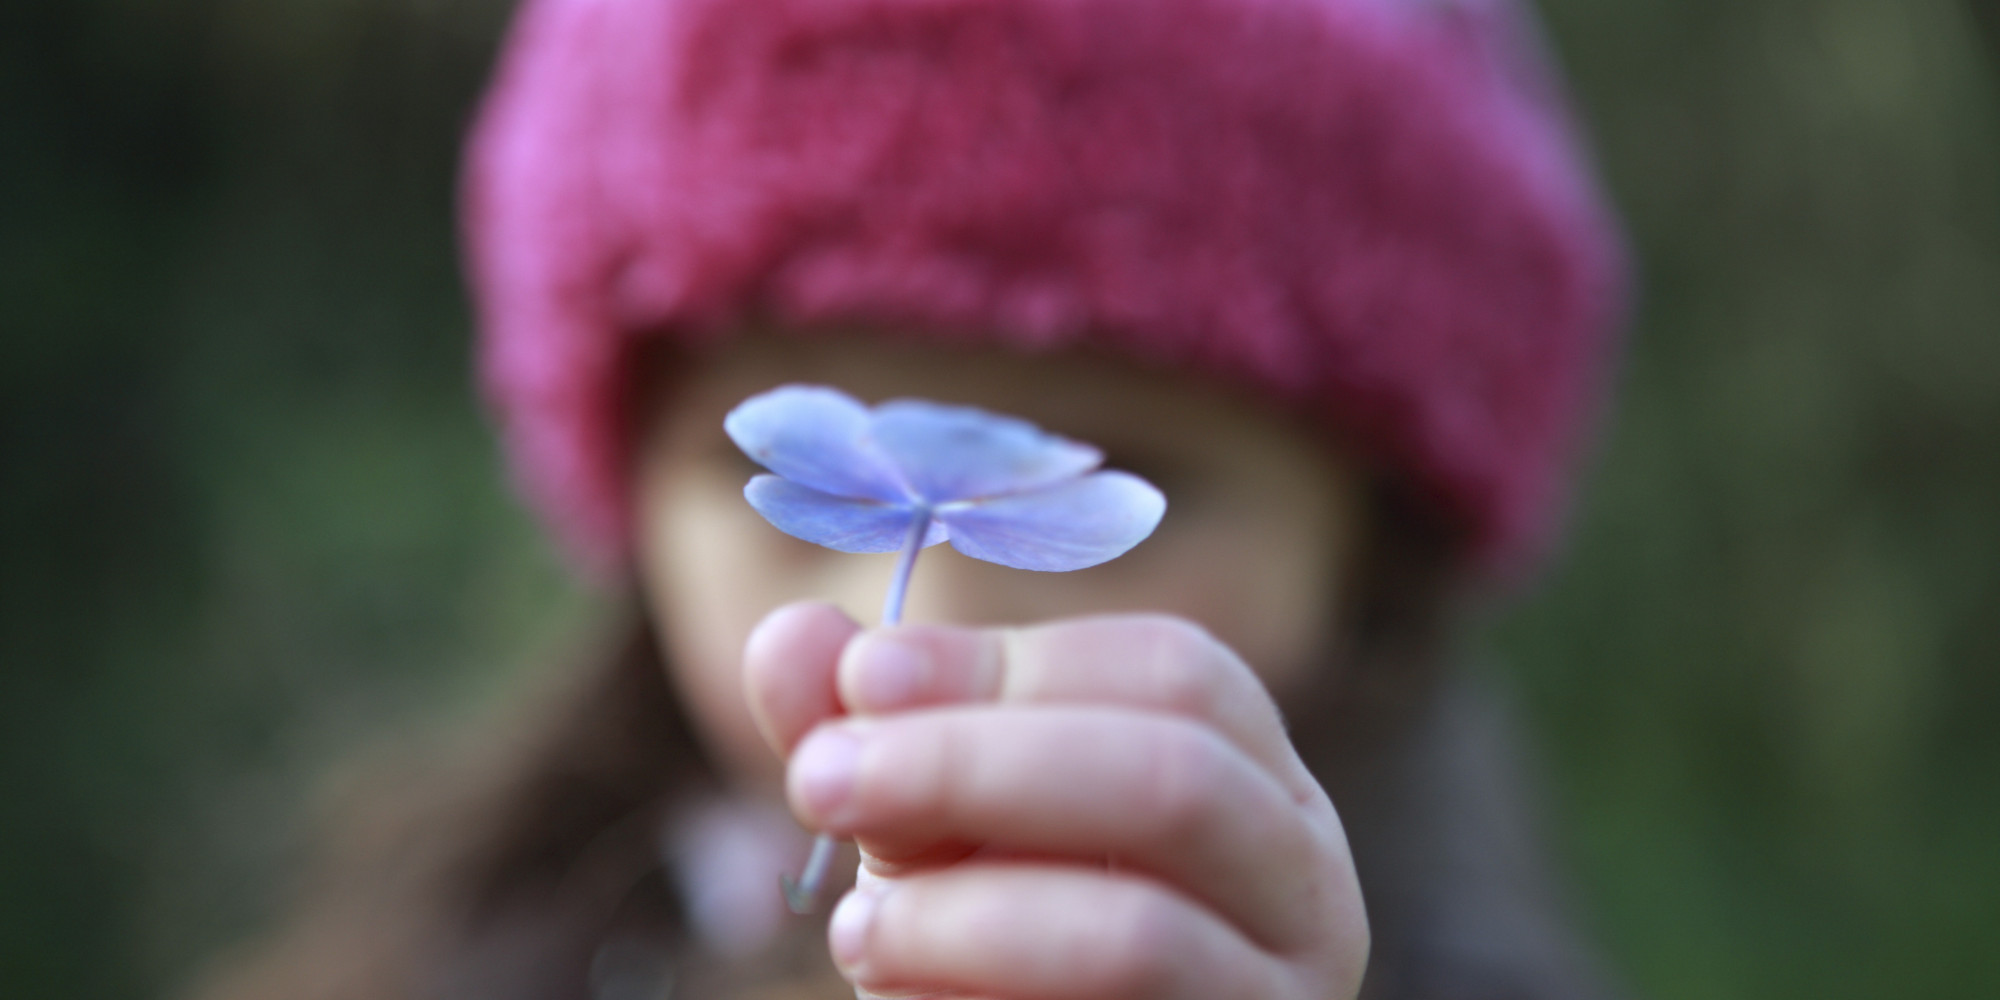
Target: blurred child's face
1260	520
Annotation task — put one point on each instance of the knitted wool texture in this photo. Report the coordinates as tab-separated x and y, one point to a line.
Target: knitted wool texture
1371	211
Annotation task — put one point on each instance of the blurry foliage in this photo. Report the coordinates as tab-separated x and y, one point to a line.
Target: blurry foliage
1767	675
250	510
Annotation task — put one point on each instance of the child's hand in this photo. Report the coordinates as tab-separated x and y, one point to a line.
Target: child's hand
1094	808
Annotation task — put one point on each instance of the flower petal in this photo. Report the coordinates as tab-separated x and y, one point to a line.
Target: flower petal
1071	526
815	436
842	523
949	453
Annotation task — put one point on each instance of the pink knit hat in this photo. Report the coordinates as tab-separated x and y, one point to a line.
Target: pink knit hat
1373	211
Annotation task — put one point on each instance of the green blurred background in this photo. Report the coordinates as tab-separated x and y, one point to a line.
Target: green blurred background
251	516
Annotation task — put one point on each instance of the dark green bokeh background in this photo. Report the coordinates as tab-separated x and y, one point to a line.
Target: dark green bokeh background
251	515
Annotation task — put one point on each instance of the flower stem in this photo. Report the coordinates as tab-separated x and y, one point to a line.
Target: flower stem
899	585
802	894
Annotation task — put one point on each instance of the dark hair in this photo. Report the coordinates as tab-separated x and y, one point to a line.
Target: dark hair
1406	599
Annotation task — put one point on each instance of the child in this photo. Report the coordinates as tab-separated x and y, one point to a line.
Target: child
1330	272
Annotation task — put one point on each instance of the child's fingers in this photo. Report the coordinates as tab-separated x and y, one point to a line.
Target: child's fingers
1030	932
788	670
1143	661
1161	794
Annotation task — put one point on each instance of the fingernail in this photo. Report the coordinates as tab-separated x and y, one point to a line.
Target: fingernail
891	673
822	771
847	930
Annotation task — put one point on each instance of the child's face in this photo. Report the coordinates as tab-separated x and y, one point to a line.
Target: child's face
1259	526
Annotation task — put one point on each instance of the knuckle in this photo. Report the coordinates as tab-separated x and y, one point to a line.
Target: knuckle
1178	633
1186	685
1186	665
1143	940
1186	774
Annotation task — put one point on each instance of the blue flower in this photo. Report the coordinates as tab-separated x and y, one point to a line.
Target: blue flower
997	488
909	474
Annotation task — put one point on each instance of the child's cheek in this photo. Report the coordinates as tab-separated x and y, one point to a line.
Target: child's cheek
703	558
1271	597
